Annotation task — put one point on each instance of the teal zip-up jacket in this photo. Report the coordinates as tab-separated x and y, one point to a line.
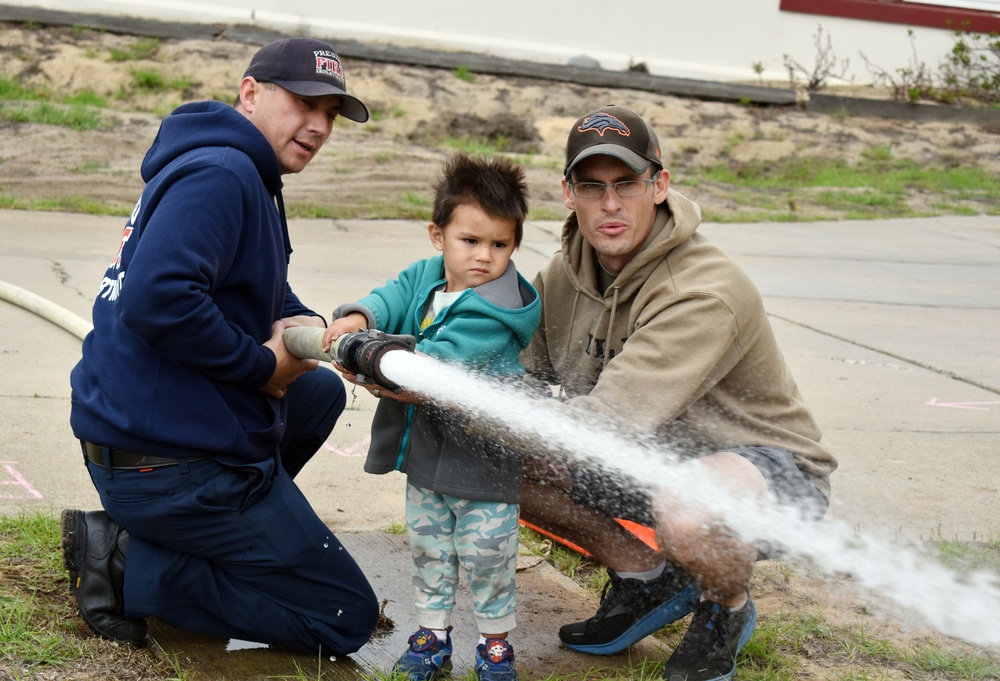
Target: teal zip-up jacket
484	329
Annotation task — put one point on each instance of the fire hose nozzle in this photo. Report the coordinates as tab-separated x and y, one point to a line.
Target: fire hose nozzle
360	352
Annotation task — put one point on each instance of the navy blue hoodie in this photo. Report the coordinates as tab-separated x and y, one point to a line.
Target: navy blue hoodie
175	364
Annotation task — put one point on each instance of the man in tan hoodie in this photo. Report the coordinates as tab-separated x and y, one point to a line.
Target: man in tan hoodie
647	325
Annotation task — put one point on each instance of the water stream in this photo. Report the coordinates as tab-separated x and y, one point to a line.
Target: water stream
965	606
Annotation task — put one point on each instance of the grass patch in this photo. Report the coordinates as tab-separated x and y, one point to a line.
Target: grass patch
396	528
404	206
73	117
876	174
86	98
710	215
35	628
876	186
64	204
150	80
11	90
41	636
543	213
934	661
966	557
89	167
145	48
784	642
377	113
863	204
77	111
489	146
463	73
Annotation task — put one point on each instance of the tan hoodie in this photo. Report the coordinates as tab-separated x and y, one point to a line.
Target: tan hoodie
679	346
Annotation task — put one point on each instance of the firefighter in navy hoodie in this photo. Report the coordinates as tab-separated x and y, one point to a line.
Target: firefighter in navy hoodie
193	417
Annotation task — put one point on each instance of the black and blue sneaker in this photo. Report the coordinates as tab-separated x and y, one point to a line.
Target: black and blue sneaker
495	661
631	610
427	657
708	650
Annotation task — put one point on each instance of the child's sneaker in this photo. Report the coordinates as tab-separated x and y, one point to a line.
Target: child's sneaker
427	657
495	661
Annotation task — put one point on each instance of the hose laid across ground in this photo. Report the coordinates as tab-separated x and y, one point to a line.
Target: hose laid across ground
60	316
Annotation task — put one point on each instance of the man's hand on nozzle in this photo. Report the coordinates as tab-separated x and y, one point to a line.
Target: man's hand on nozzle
399	395
287	367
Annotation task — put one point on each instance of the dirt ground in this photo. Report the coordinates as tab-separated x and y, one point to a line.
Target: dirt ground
386	165
391	160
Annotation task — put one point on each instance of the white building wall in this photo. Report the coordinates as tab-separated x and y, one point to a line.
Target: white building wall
707	39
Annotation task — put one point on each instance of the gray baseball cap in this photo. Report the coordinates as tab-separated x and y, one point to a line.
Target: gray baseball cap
308	67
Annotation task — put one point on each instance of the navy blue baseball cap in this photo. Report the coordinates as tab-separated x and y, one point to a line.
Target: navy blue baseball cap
308	67
613	131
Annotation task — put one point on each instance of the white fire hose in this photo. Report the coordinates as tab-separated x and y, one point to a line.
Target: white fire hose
60	316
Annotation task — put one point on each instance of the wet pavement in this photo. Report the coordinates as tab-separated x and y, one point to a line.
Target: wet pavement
890	328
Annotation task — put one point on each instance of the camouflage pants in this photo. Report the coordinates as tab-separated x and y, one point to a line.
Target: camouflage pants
445	531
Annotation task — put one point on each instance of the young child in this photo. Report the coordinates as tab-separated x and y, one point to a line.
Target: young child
467	305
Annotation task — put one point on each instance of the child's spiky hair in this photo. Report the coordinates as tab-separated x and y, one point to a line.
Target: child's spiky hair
495	184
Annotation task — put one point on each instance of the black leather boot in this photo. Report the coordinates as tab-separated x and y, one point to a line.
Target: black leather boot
94	549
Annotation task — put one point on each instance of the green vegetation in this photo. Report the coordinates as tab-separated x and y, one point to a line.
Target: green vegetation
74	117
150	80
32	573
11	90
543	213
140	49
77	111
968	556
886	175
86	98
463	73
494	144
40	634
39	631
403	206
377	113
878	185
783	641
970	72
65	204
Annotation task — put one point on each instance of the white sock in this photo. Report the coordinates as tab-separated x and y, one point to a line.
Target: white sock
647	576
740	606
736	608
442	634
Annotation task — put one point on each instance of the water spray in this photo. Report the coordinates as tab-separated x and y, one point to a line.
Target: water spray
360	352
927	592
967	607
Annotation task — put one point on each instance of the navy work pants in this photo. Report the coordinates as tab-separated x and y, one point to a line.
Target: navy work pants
238	552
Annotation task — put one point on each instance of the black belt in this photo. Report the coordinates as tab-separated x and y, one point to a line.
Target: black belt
126	460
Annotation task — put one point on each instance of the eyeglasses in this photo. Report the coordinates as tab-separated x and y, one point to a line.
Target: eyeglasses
626	189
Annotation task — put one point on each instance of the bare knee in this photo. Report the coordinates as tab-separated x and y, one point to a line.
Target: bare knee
681	534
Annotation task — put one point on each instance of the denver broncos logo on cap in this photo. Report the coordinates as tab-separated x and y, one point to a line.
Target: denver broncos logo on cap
602	122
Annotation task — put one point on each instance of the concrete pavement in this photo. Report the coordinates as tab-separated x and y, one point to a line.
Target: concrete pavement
890	328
